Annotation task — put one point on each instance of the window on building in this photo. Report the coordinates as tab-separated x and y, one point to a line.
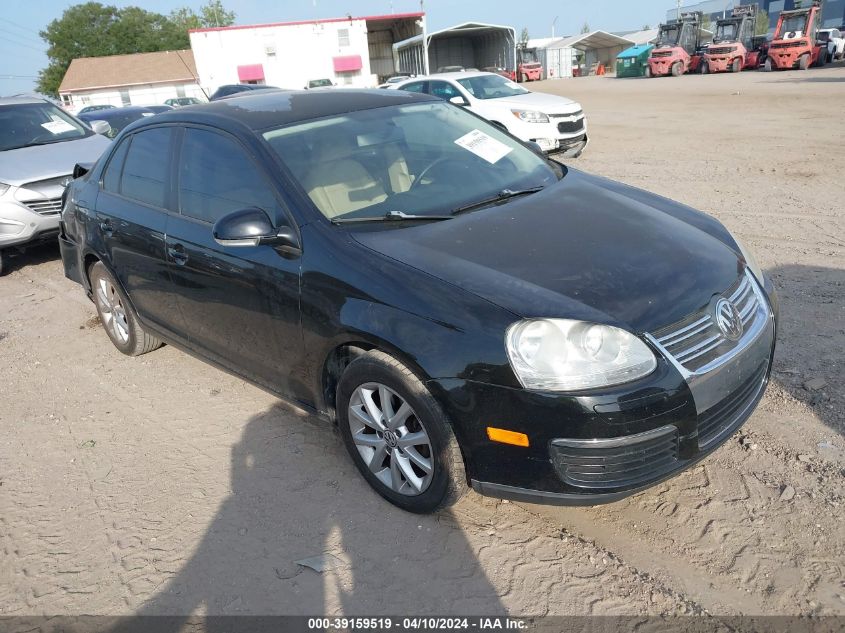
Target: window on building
217	177
343	37
124	98
146	166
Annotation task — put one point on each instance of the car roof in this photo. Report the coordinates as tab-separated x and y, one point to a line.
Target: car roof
262	109
464	74
19	100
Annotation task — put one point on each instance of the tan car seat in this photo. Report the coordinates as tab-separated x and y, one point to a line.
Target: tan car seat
338	183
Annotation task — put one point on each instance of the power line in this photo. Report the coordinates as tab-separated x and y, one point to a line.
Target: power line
5	40
25	28
27	38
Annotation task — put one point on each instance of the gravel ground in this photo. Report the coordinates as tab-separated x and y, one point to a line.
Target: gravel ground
159	485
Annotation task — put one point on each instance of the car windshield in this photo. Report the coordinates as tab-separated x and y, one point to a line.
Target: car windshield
725	32
320	83
27	124
118	119
417	159
794	24
491	87
668	35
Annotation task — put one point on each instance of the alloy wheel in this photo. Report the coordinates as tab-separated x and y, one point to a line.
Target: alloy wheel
391	439
112	311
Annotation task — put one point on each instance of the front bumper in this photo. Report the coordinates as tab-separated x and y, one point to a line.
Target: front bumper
560	134
19	225
593	447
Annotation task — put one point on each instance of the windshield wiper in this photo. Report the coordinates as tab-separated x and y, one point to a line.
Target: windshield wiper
391	216
504	194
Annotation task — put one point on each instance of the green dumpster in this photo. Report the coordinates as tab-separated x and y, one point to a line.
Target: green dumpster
633	62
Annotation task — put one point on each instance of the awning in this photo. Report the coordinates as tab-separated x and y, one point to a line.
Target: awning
251	72
347	63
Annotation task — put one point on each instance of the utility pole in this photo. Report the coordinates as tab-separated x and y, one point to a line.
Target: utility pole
679	10
425	37
553	25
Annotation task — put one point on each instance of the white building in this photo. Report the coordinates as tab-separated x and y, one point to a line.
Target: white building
350	51
137	79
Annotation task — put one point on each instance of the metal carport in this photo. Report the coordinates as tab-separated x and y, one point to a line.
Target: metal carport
599	47
469	45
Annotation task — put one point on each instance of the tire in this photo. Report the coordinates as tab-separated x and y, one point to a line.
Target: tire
704	67
648	74
116	314
677	69
822	59
384	378
4	263
736	66
767	65
524	79
804	62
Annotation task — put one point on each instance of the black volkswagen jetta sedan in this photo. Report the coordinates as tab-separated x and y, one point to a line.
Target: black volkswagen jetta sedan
467	311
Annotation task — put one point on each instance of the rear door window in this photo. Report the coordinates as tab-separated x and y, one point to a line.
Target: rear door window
111	176
146	168
443	89
417	86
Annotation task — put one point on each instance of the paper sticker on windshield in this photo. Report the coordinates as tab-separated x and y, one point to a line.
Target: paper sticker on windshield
484	146
58	127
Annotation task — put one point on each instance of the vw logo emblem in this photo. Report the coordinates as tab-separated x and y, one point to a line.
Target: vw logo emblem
728	319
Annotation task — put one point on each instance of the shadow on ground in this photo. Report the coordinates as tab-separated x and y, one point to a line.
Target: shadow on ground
383	560
809	362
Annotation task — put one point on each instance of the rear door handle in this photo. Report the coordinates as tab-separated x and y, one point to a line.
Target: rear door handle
178	255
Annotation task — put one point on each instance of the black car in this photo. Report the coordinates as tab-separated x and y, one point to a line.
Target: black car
465	309
233	89
119	118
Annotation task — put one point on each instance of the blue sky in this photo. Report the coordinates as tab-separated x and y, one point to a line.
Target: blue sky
22	50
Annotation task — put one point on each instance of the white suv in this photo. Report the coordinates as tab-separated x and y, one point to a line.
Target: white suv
835	43
556	124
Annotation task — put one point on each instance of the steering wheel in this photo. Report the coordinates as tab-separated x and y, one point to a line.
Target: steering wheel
435	163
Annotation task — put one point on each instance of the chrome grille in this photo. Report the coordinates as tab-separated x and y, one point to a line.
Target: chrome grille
696	340
46	206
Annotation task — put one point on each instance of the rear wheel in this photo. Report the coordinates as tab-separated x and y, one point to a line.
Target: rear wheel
677	69
704	67
804	62
397	434
767	65
736	66
116	315
648	72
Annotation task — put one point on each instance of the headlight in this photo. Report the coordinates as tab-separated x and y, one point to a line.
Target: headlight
530	116
752	264
3	188
567	355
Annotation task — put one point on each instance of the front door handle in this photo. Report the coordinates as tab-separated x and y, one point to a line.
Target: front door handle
178	255
107	227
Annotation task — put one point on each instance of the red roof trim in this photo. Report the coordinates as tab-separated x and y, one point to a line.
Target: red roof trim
368	18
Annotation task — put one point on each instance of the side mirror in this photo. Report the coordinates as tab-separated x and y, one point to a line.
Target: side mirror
101	127
459	101
535	147
252	227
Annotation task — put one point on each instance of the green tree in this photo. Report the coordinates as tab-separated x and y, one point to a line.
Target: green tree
523	37
211	14
93	29
762	26
585	28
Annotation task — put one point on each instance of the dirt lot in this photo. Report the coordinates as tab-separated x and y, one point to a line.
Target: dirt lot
160	485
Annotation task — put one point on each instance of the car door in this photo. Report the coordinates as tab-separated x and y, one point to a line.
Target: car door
240	304
443	90
131	213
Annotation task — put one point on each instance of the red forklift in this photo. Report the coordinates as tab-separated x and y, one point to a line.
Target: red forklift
733	48
528	67
678	48
796	43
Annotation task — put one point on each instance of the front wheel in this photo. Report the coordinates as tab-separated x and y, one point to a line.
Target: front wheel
767	66
398	436
704	68
736	66
804	62
118	319
677	69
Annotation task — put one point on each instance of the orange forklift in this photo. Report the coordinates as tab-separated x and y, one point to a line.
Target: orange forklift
678	48
733	48
796	43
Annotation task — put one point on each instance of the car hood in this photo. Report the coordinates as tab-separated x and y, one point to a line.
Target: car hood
42	162
585	248
549	104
